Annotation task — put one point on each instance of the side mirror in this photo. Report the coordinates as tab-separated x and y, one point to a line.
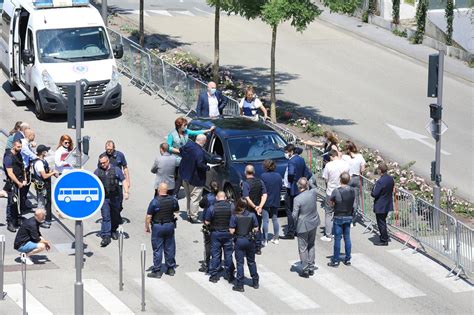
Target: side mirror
27	57
118	51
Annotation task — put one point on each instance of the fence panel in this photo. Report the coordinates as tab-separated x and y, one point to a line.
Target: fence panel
136	61
464	248
436	229
403	216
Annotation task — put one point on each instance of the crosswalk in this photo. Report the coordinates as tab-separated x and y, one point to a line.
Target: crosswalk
193	293
192	12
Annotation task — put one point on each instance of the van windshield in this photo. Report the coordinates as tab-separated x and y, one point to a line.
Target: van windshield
72	44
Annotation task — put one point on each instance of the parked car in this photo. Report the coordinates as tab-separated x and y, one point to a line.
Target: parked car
235	143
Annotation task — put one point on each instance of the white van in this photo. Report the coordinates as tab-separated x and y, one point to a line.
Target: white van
46	45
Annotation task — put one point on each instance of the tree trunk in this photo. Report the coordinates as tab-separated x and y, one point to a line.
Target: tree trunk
272	74
215	67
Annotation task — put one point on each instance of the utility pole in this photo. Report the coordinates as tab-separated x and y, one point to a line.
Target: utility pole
435	89
142	32
104	11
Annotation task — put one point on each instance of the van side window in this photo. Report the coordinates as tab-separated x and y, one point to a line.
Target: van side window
6	20
31	45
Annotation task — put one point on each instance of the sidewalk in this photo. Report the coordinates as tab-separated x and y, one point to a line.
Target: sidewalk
401	45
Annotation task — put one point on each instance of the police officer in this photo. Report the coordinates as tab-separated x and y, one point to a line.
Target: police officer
42	182
244	224
207	202
111	177
218	218
255	192
118	159
161	222
16	179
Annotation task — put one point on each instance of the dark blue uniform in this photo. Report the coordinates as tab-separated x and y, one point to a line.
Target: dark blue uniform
219	217
206	203
162	209
254	188
118	159
244	246
111	179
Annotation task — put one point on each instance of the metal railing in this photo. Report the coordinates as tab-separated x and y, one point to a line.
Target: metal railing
423	223
162	78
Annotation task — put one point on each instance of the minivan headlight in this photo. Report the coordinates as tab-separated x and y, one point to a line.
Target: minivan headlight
49	83
114	80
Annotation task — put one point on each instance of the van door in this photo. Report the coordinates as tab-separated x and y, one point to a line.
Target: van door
15	47
25	75
21	18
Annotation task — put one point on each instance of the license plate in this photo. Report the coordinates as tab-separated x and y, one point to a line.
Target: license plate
89	102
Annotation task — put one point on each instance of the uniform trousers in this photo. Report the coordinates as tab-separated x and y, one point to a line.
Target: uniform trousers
221	240
111	219
245	248
162	240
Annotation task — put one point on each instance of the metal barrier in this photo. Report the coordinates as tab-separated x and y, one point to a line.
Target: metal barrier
420	220
2	266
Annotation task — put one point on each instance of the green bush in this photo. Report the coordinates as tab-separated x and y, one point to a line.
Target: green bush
420	21
400	33
449	15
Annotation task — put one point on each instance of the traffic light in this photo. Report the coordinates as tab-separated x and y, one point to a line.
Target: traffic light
433	65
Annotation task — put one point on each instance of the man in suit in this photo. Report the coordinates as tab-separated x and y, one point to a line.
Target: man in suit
295	170
211	102
383	201
164	168
306	218
193	170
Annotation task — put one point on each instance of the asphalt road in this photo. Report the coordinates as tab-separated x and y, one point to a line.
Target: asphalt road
364	90
385	280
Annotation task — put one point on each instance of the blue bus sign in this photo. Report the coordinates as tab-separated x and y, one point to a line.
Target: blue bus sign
78	194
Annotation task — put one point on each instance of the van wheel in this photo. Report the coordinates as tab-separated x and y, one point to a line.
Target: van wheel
229	192
39	112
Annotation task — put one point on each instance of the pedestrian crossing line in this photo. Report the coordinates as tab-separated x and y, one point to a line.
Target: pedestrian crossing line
105	298
187	13
384	277
168	296
431	269
137	12
33	306
338	287
284	291
160	12
235	301
203	11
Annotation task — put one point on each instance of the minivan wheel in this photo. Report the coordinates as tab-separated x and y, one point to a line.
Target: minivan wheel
39	112
229	192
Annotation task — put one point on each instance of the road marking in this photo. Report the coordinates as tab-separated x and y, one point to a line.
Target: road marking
160	12
384	277
203	11
168	296
431	269
188	13
235	301
338	287
137	12
33	306
284	291
105	298
410	135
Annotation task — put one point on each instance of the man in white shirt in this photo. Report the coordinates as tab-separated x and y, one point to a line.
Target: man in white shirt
331	173
211	102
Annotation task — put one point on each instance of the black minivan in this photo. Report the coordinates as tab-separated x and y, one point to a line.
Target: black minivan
235	143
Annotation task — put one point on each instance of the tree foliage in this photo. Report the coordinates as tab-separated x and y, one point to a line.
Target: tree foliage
396	12
300	13
343	6
249	9
420	21
449	14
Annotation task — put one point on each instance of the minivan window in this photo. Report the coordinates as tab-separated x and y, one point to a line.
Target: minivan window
256	148
72	44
